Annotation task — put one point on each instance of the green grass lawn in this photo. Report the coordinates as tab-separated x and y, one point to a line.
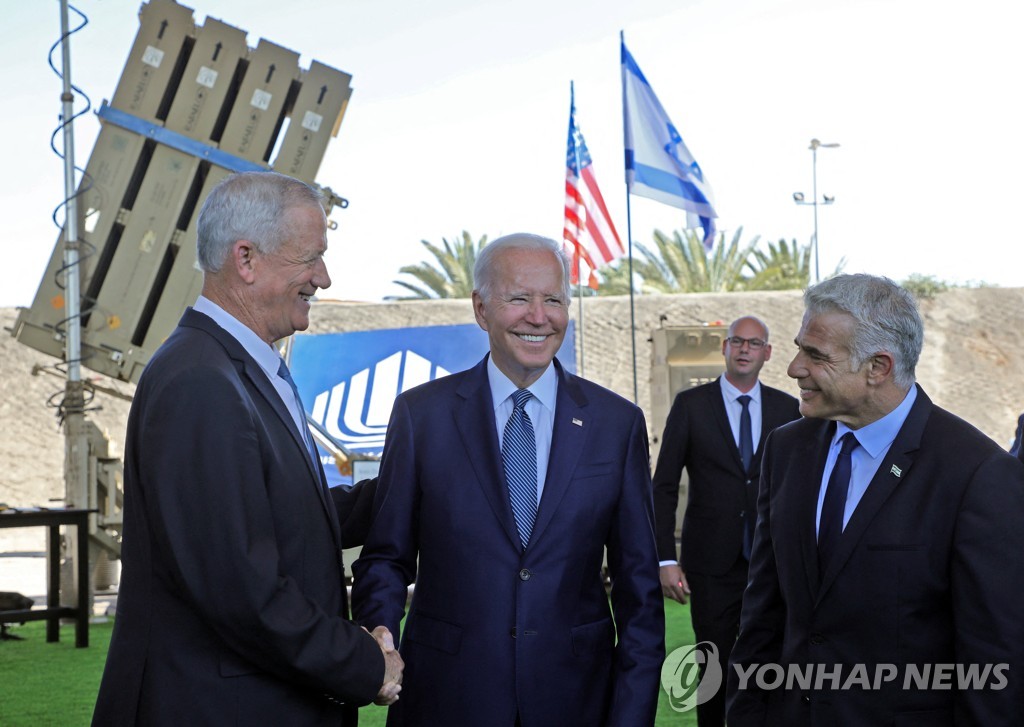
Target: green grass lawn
56	684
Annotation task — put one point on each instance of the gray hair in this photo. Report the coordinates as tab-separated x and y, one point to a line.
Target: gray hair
249	206
885	319
483	271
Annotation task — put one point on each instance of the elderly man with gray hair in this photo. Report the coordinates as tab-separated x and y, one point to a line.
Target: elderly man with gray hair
501	489
232	608
886	569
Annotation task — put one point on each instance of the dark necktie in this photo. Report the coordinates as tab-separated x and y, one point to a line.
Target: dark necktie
746	455
307	438
830	526
519	454
746	435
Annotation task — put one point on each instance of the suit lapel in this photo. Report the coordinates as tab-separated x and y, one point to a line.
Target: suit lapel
771	418
568	436
814	451
251	372
474	419
773	415
259	381
891	472
717	406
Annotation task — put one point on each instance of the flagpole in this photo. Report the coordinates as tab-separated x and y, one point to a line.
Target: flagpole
629	241
632	304
577	256
579	294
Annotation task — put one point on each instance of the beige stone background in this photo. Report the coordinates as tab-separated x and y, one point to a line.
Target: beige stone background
971	365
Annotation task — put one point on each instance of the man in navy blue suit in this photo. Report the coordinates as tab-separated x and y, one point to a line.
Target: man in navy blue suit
500	490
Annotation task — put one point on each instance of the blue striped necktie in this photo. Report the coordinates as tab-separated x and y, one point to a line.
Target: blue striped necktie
519	454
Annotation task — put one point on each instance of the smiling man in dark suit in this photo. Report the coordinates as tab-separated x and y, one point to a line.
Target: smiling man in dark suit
717	432
232	607
888	539
501	488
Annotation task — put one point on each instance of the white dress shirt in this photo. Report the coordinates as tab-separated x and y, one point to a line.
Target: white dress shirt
734	409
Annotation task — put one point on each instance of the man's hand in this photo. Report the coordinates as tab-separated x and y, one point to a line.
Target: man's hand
393	666
673	583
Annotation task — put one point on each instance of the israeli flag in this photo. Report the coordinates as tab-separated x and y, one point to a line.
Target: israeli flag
658	164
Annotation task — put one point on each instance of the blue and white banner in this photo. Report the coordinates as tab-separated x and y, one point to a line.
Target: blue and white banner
349	381
658	164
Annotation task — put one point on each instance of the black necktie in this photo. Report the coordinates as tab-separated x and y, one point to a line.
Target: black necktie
746	435
746	455
830	527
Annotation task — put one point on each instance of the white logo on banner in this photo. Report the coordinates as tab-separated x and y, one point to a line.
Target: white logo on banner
356	411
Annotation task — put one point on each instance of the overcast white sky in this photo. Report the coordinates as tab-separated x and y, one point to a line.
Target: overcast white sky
460	112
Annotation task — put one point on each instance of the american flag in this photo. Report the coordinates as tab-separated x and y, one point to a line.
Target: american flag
589	236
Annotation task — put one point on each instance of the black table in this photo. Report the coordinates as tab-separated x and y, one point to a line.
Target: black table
54	612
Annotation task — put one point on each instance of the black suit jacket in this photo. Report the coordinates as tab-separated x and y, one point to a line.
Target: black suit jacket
721	494
232	603
929	570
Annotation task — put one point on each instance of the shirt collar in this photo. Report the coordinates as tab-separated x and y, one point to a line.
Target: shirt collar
878	435
544	389
266	355
731	393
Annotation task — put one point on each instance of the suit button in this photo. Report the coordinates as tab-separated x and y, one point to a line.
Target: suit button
525	574
817	640
512	633
807	700
749	481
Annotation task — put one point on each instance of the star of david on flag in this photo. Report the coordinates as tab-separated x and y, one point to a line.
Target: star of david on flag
658	164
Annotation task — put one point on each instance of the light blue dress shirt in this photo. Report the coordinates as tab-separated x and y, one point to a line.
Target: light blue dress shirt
265	355
540	409
875	440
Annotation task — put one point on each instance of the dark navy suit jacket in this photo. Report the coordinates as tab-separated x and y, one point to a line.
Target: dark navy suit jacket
495	631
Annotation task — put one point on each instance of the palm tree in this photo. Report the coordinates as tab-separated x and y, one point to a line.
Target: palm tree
454	277
680	264
614	279
783	267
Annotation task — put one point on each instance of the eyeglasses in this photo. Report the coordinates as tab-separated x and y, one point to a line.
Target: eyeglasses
754	343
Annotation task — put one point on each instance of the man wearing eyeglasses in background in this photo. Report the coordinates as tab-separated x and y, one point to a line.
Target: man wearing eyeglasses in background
717	431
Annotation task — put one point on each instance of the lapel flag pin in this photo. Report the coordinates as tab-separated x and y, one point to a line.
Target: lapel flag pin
577	422
896	471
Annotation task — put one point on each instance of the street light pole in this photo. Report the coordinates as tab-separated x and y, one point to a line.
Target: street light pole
798	197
